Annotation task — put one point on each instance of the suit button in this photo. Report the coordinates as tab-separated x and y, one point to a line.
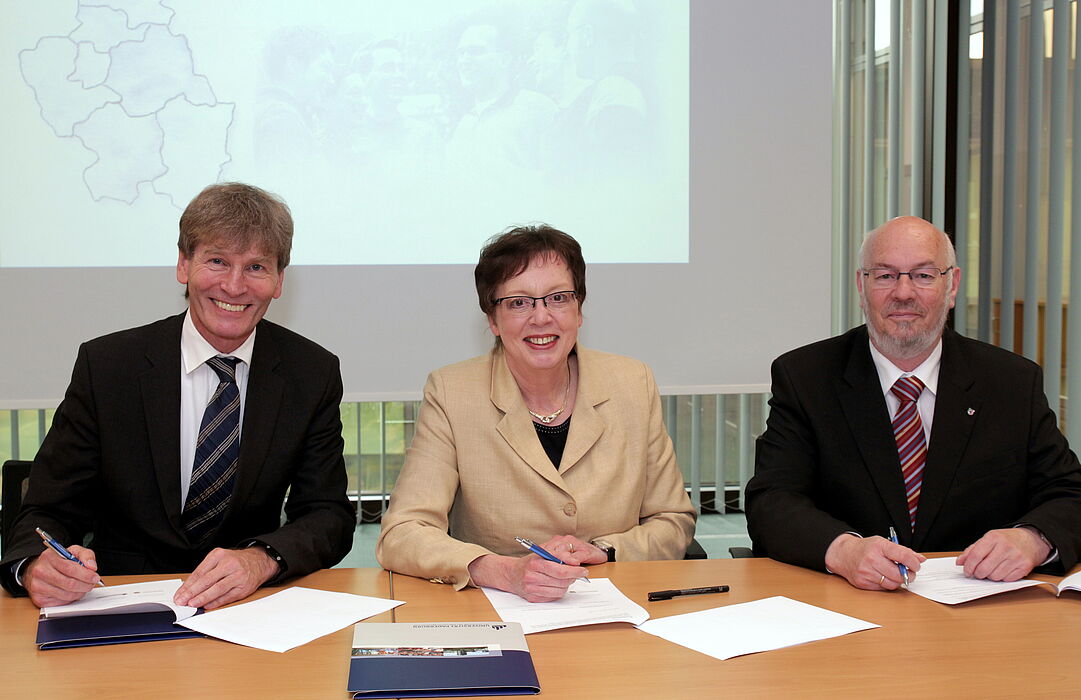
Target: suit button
570	509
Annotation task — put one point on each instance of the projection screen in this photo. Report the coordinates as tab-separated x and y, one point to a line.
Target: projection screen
686	146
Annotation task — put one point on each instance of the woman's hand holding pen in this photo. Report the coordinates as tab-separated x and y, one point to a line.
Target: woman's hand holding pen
534	578
574	551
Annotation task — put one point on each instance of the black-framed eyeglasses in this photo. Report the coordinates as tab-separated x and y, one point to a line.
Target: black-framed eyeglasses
886	278
521	305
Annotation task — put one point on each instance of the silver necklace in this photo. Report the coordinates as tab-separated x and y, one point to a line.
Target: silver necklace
552	416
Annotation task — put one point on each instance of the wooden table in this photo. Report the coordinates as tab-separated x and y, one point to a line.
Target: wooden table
185	668
1020	644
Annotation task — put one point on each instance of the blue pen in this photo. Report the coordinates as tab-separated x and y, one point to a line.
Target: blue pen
900	567
543	553
61	550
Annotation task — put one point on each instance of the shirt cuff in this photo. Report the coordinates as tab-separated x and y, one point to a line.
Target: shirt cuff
1053	556
19	568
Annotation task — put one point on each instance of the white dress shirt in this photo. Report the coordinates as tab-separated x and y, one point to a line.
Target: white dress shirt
927	372
198	381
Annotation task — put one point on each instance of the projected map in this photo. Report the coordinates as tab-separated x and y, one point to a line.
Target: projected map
399	133
123	84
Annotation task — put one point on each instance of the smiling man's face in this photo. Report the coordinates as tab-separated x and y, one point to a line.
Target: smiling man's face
229	291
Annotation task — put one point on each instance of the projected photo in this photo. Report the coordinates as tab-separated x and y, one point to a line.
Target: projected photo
399	133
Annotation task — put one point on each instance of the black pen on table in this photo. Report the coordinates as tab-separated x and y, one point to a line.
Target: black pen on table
544	553
668	595
61	550
900	567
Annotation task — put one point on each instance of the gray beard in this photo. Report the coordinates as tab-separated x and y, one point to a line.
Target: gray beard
909	346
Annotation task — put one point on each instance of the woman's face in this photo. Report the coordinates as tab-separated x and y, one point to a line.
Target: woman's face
542	338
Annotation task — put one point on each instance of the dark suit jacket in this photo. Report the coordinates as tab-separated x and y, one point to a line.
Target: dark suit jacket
828	464
110	464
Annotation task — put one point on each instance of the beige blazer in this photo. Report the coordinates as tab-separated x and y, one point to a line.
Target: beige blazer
476	476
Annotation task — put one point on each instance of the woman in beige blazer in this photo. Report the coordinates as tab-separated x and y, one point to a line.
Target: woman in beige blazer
540	439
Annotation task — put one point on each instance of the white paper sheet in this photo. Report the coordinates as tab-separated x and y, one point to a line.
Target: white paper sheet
585	604
747	628
1070	583
941	580
148	596
289	618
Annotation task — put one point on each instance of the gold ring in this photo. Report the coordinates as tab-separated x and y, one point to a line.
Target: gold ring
570	547
881	579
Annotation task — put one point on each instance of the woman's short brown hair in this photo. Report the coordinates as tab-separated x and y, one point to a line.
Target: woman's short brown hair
508	254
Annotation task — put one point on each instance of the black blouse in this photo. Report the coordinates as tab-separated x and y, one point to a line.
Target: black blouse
553	439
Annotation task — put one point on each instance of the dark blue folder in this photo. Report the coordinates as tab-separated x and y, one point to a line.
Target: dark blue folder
94	630
512	673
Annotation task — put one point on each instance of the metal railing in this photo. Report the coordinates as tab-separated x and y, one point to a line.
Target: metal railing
713	437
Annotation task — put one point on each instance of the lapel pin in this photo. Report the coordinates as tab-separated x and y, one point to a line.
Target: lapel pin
971	411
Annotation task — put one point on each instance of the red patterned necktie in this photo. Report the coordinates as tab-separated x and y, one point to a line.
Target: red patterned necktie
911	442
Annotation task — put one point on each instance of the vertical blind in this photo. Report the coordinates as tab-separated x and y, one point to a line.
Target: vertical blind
968	114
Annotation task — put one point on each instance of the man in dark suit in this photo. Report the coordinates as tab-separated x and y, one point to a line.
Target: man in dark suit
964	454
177	442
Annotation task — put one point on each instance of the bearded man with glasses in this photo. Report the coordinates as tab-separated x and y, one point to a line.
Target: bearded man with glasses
902	425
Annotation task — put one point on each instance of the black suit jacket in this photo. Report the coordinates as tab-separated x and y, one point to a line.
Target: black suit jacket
109	467
828	463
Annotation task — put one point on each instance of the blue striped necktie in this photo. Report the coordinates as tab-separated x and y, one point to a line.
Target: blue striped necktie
217	449
911	442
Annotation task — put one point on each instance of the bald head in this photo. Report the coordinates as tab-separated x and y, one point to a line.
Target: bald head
911	227
908	281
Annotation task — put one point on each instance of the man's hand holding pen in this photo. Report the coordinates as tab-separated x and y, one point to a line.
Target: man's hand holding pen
871	563
50	579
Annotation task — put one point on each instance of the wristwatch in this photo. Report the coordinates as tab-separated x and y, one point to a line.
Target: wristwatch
605	546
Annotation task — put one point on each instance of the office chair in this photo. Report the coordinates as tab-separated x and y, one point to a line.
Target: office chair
745	552
695	551
15	477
